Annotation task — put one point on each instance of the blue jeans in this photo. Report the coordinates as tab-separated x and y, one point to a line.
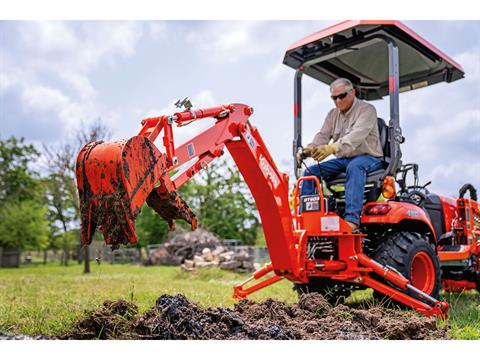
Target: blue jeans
356	169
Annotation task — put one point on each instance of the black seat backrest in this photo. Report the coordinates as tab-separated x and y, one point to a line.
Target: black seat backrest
384	141
433	206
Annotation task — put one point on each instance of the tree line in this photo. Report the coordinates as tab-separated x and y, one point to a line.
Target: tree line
40	209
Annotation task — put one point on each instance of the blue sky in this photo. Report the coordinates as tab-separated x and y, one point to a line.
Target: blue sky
54	75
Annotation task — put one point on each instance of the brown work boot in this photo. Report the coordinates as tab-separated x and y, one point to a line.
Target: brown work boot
353	226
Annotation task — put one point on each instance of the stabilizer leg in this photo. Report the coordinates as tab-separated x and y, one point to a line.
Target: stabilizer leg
240	293
428	306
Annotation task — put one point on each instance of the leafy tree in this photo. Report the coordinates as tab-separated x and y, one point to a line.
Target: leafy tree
61	213
151	229
23	221
23	225
17	181
223	203
63	203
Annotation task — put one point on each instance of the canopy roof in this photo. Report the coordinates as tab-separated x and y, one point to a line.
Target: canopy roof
353	50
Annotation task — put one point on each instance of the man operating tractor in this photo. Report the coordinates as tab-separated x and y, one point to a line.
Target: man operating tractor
352	125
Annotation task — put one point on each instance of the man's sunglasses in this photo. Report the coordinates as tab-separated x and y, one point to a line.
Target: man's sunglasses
339	96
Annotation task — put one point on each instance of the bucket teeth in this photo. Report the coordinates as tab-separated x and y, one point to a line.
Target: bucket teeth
170	206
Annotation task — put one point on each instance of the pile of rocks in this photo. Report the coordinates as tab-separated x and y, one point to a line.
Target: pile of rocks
240	259
183	245
201	249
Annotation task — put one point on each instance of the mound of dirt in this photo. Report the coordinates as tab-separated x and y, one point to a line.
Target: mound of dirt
112	321
175	317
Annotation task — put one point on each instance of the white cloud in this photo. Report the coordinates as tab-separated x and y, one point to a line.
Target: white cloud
54	61
9	76
223	42
48	100
73	46
234	39
203	99
277	70
80	84
47	37
448	178
104	42
227	42
157	29
43	98
5	82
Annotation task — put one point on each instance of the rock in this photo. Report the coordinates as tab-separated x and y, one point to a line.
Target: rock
248	265
187	269
226	256
198	259
200	264
207	254
218	250
205	265
189	264
169	260
240	256
161	252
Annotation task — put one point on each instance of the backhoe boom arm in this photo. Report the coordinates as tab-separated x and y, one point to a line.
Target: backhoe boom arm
123	175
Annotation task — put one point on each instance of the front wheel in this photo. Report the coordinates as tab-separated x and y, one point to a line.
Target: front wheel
414	257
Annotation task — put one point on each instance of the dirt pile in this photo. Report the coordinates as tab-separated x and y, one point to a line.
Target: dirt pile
175	317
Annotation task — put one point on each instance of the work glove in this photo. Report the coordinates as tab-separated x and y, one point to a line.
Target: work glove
321	152
303	153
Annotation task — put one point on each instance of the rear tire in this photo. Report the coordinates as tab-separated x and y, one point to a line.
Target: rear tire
414	257
335	293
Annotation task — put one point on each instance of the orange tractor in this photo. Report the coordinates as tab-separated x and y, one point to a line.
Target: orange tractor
407	236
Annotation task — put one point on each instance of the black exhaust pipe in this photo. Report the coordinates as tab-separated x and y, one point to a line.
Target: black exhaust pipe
471	189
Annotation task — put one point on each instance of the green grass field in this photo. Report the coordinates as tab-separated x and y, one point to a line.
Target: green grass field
47	300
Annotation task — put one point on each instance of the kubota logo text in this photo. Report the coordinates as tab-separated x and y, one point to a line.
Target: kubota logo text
268	171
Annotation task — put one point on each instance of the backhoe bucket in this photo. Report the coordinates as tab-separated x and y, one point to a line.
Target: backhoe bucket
114	179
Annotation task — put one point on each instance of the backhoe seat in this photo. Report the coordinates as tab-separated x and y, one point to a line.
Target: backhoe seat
374	180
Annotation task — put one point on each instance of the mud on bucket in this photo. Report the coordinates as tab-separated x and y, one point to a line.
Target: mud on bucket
114	179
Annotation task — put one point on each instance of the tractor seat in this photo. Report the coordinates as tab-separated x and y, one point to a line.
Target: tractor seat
374	178
433	207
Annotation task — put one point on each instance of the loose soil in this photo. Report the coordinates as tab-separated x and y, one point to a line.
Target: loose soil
175	317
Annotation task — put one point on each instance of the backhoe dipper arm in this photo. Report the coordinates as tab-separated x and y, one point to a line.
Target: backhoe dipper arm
267	184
